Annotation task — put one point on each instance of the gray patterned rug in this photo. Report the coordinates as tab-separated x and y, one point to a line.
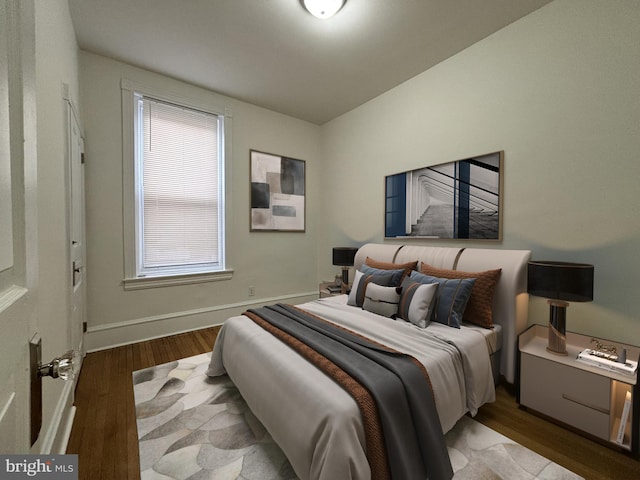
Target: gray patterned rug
192	427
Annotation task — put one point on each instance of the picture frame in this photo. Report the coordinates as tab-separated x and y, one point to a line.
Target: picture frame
453	200
278	193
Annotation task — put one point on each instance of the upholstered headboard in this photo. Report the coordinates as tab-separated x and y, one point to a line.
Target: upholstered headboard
510	301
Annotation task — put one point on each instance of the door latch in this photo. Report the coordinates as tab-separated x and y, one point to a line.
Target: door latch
76	272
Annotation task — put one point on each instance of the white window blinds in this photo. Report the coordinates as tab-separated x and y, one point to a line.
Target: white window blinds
178	179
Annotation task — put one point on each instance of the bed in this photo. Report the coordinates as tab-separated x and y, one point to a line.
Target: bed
318	424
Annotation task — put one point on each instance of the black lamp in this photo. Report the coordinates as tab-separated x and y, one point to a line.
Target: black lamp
560	282
344	257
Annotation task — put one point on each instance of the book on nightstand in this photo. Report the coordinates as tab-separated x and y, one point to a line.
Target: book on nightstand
607	361
624	418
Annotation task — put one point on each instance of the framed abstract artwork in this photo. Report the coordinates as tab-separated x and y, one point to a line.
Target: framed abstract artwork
454	200
277	193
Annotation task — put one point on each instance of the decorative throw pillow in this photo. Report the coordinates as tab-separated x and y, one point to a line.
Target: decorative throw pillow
382	300
416	302
479	309
362	280
451	299
397	274
407	267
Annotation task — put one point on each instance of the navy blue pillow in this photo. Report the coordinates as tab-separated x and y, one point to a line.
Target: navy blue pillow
396	275
451	298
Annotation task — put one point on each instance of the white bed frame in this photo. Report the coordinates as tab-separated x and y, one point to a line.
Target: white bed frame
510	301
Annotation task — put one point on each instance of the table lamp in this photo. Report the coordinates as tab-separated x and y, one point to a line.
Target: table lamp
560	283
344	257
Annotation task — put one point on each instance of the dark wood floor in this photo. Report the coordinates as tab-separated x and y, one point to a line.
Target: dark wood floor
104	431
579	454
105	439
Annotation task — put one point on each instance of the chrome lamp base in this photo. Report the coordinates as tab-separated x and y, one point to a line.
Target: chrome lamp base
557	327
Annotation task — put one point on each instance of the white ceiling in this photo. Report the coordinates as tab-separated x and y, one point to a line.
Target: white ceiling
272	53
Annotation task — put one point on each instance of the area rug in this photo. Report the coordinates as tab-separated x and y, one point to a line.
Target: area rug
192	427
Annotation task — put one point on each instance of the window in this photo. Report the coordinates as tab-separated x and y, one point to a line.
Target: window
177	228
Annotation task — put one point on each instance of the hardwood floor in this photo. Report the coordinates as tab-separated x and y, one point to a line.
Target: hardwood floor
104	431
579	454
105	438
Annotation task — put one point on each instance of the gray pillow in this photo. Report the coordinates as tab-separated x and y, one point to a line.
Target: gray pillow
417	301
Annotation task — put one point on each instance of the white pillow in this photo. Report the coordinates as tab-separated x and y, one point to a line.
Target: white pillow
417	302
382	300
354	289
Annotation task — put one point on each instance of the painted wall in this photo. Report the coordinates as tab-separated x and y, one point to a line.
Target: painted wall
281	266
558	92
56	64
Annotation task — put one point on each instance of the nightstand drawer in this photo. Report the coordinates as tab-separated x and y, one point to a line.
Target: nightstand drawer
575	397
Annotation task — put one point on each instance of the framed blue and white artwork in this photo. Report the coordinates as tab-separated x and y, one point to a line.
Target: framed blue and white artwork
455	200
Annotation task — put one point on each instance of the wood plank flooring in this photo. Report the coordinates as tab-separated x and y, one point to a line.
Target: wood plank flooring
105	438
580	454
104	431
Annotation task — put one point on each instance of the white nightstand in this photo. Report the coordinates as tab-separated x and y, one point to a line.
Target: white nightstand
585	397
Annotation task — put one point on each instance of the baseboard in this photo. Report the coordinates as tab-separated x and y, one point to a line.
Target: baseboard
67	430
112	335
57	435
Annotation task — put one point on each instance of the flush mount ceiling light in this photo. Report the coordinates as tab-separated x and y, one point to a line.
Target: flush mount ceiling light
323	8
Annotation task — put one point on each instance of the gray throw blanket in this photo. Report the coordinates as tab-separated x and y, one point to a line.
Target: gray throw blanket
413	436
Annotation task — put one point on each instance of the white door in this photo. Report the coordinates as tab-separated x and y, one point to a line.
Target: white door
76	230
18	219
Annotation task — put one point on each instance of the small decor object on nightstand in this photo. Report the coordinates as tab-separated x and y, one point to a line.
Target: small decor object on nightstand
329	289
609	361
561	283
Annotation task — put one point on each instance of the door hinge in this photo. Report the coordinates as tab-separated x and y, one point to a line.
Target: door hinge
82	158
84	327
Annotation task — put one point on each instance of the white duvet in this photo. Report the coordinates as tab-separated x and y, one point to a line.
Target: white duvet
315	422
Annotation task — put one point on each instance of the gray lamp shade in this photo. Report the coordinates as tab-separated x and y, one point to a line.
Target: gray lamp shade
571	282
344	256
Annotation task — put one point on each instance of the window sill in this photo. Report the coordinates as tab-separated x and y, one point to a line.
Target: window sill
174	280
